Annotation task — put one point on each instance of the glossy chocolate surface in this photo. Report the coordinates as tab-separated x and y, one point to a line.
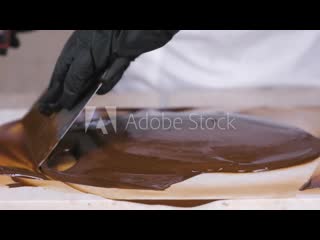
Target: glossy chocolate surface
146	156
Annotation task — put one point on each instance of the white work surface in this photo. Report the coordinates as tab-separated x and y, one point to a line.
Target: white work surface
41	198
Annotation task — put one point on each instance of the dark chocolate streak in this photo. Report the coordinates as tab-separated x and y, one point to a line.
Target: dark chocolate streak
155	159
176	203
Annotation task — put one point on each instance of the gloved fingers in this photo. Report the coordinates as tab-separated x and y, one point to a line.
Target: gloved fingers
62	94
4	41
78	79
64	62
113	75
60	71
55	89
49	101
50	108
14	40
107	87
3	51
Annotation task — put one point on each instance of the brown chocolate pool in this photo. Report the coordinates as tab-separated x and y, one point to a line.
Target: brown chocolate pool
155	149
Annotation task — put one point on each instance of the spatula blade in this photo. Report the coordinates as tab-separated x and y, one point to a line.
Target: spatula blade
43	133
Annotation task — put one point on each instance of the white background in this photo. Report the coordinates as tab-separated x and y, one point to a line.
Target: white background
193	60
224	59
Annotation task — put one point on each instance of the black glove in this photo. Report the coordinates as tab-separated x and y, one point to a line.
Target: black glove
89	53
9	38
4	41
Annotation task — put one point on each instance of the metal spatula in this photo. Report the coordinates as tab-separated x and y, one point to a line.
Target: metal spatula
44	133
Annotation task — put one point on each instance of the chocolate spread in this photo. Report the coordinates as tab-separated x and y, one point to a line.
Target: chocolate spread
145	153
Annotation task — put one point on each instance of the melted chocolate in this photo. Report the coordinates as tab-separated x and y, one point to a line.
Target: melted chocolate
176	203
314	181
152	157
14	158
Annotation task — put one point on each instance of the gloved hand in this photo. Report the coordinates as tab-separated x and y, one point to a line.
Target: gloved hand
9	38
88	54
4	41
